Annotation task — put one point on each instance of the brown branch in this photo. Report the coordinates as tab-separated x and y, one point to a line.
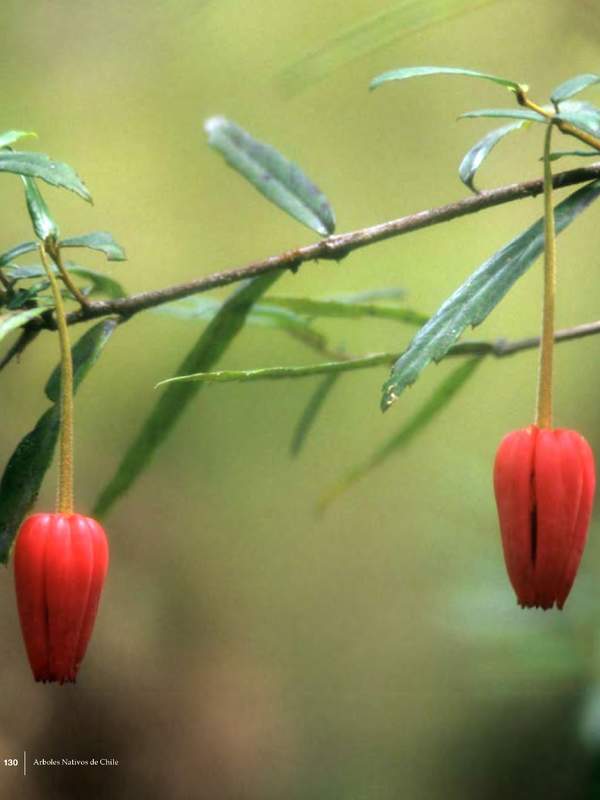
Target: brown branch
334	247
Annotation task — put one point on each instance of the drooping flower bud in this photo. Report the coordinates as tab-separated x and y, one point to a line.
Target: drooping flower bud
544	481
60	566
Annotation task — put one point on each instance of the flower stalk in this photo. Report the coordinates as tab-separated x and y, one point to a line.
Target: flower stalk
544	395
65	480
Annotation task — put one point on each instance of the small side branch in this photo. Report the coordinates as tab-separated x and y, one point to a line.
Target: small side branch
498	349
502	347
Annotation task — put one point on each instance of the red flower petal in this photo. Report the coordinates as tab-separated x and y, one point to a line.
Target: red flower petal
558	484
513	486
99	546
31	598
582	520
544	482
60	566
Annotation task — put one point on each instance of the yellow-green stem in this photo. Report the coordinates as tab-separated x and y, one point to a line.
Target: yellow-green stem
562	125
544	398
53	250
65	479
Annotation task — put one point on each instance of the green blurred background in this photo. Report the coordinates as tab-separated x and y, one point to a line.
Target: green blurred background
246	647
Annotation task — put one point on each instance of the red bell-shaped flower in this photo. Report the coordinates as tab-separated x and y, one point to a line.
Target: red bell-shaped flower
60	566
544	481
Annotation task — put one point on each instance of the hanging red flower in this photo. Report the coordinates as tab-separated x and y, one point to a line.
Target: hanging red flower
60	566
544	481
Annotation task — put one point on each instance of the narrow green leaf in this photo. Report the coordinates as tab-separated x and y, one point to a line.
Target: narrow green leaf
440	398
43	225
504	113
24	473
99	283
573	86
402	19
8	322
172	402
193	308
415	72
479	295
10	137
38	165
579	153
16	252
21	298
346	310
282	318
480	151
277	373
310	413
97	240
371	295
278	179
587	119
569	107
24	273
